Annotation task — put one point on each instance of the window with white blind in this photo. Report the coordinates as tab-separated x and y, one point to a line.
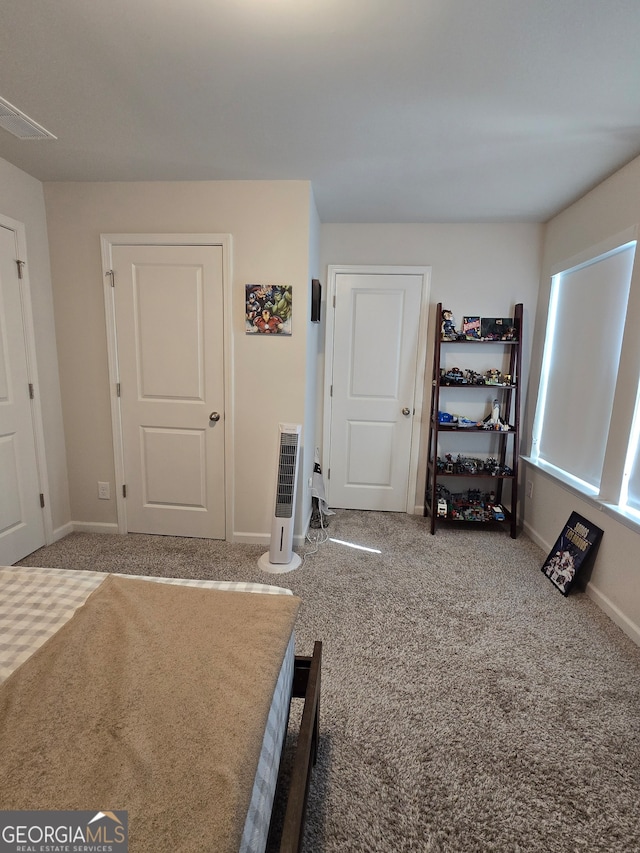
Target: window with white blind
587	312
630	493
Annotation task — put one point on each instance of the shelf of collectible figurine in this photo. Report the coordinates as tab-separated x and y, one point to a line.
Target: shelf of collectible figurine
481	504
470	428
460	501
471	506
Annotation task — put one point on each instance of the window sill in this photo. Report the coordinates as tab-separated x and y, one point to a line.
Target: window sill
621	515
613	510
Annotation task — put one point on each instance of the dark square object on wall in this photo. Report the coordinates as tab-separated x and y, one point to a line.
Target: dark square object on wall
316	296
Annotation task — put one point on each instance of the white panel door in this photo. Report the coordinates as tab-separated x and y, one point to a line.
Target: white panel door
169	329
21	521
375	352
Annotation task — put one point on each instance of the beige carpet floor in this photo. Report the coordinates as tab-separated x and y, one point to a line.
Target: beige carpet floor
467	705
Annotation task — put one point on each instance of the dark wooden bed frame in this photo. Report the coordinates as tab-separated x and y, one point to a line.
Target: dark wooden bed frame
306	685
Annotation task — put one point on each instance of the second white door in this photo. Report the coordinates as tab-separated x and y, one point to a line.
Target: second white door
21	519
169	330
376	333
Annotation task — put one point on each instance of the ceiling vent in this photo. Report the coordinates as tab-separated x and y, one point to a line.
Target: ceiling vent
16	122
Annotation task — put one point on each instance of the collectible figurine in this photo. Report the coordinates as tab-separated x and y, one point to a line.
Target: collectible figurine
466	422
448	326
454	376
474	378
493	420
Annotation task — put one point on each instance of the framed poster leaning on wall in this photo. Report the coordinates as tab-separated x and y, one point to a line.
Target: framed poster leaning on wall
575	546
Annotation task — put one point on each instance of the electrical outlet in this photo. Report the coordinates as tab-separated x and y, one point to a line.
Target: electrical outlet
104	491
529	488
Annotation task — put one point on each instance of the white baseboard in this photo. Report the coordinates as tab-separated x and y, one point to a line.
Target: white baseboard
61	532
614	613
93	527
546	546
604	603
240	538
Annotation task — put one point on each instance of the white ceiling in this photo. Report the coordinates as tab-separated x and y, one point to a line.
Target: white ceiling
396	110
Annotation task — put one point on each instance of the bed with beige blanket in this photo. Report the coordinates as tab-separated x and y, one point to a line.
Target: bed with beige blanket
167	699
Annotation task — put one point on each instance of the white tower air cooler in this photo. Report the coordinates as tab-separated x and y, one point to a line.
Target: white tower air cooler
280	557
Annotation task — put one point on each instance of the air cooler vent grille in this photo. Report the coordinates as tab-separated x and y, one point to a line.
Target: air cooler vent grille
286	475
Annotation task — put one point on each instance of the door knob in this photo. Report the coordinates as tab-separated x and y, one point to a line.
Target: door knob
406	411
214	416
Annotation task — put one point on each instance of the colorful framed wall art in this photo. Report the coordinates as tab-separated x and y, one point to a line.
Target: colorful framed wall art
268	309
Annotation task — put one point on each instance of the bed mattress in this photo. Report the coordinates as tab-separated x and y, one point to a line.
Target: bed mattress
36	602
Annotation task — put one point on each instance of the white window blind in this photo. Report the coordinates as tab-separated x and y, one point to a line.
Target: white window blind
630	495
581	357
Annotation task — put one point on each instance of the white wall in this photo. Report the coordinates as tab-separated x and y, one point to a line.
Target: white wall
609	209
312	400
22	199
476	270
270	224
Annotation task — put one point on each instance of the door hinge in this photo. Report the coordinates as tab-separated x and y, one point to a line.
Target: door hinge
124	491
20	264
113	278
331	390
41	500
117	389
31	391
328	473
334	300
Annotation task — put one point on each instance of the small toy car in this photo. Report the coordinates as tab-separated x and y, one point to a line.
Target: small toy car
497	512
453	377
